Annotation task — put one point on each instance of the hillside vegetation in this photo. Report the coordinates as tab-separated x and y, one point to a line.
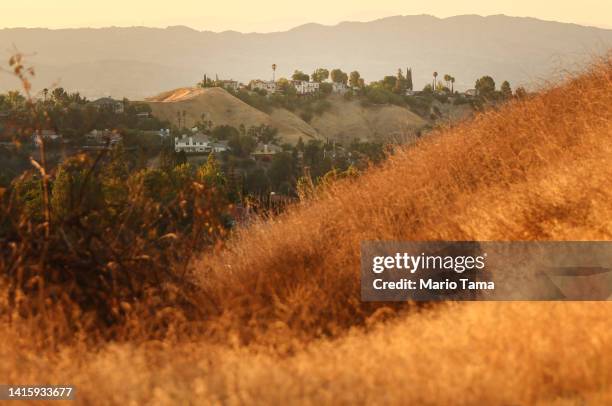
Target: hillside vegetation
283	317
343	121
346	120
220	107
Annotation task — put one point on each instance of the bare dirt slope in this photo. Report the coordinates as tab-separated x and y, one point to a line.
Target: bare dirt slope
220	107
347	120
344	121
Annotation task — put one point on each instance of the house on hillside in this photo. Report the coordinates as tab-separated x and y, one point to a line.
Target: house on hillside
103	137
265	152
199	143
471	93
269	86
108	103
220	146
305	88
339	87
232	85
193	143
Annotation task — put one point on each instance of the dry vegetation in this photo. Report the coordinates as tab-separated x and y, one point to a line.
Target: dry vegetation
283	317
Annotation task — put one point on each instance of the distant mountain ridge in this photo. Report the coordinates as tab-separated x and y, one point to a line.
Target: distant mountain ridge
137	62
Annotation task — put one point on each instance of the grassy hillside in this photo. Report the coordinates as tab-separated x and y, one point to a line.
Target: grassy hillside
346	120
222	108
342	121
283	317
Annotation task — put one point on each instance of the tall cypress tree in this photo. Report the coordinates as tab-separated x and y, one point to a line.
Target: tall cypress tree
409	79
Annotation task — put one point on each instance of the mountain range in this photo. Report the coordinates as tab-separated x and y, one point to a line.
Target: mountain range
137	62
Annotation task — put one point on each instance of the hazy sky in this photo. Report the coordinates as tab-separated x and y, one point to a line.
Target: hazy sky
274	15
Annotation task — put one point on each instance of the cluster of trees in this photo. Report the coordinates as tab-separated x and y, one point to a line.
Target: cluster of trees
104	234
282	171
485	88
71	115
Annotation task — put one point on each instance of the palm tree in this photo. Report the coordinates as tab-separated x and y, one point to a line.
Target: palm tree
273	72
45	93
452	80
435	75
447	79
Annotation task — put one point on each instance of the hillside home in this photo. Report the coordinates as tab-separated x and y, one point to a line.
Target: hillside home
103	137
108	103
220	146
269	86
199	143
265	152
305	88
232	85
193	143
471	92
339	87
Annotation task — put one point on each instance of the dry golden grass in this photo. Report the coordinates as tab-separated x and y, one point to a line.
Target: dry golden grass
534	170
475	353
285	320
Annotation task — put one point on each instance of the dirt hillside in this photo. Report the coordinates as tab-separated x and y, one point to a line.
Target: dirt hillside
344	121
349	119
220	107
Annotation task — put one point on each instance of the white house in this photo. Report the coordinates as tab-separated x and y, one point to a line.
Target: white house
230	85
115	106
303	87
339	87
269	85
199	143
471	92
265	151
220	146
103	137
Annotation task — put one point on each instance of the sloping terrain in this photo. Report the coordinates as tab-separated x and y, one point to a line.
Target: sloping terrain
347	120
220	107
285	322
344	121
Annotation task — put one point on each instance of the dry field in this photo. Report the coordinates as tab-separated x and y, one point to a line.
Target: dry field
284	321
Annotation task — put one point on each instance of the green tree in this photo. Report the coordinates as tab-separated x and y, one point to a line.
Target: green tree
282	171
210	173
337	76
77	190
299	75
506	90
320	75
485	87
400	83
520	92
447	79
409	84
354	79
389	82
